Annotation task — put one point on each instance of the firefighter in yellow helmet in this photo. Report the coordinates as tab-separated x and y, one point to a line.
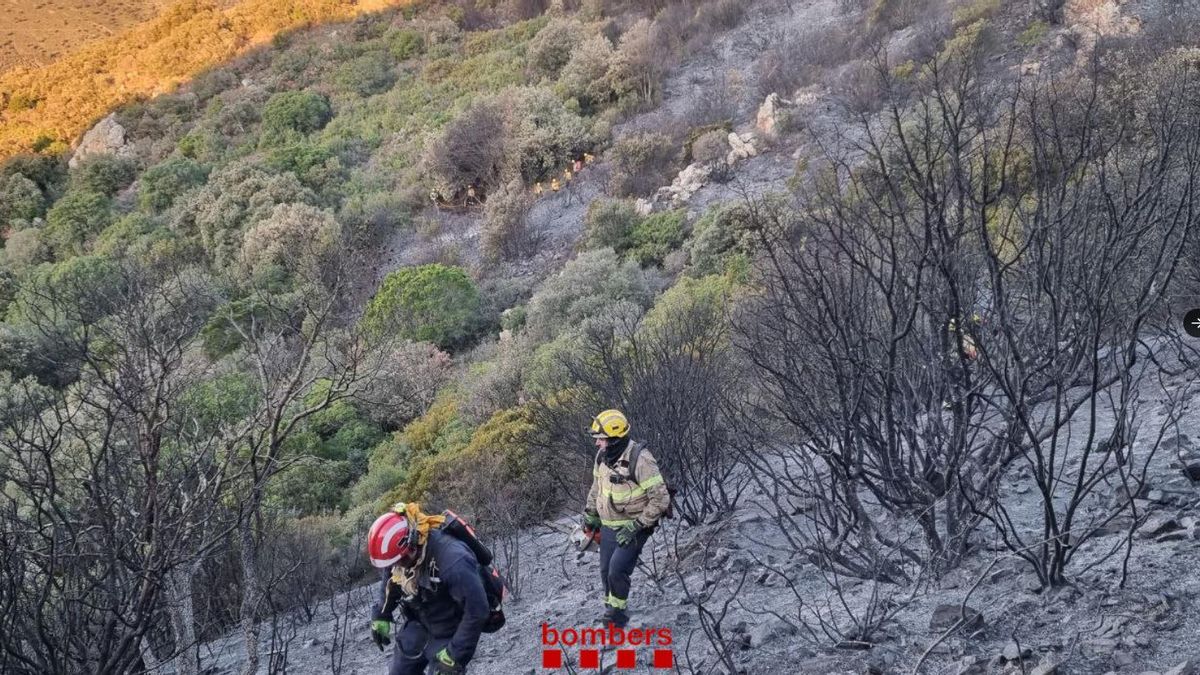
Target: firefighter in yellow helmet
627	499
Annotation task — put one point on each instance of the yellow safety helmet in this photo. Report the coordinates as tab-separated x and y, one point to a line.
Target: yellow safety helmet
610	424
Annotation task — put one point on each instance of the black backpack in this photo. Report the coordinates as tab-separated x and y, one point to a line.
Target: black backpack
493	584
634	455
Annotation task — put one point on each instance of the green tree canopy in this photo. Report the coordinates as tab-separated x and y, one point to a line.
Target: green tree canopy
432	303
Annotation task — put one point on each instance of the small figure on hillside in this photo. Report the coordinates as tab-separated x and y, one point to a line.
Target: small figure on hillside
537	188
567	175
578	165
627	500
440	576
554	186
588	158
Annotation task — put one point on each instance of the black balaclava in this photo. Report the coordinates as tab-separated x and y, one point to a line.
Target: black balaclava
616	448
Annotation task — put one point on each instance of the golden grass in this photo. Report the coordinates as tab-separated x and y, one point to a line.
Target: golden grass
149	59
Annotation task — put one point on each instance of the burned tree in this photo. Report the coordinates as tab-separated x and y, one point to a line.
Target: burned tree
970	287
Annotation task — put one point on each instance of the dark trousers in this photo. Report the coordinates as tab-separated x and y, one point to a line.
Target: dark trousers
617	562
414	650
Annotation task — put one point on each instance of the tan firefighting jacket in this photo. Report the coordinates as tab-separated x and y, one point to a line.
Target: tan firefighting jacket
617	503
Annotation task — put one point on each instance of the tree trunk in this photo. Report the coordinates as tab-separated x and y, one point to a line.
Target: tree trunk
250	594
183	619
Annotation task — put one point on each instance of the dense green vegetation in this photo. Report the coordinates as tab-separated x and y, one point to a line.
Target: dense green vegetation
222	258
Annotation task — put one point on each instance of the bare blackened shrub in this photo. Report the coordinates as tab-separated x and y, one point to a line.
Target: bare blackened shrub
506	229
793	60
641	163
915	343
471	151
520	10
723	100
718	15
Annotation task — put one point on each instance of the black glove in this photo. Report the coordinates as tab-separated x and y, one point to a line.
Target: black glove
381	630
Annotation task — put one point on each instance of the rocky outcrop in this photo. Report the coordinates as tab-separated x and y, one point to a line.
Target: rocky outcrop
770	117
107	137
686	184
741	147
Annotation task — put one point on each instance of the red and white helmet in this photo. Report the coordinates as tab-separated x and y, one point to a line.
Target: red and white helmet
390	539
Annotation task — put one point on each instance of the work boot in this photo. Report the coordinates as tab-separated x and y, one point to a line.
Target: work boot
615	616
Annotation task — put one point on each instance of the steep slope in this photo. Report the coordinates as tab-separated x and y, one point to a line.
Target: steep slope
759	604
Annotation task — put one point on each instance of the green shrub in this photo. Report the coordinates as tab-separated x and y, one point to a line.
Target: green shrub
20	199
74	220
220	335
543	134
587	286
80	290
25	248
653	238
551	48
48	172
22	101
134	235
163	182
975	10
387	467
300	239
405	43
103	174
236	197
293	112
608	223
312	485
584	78
642	163
431	303
1033	34
367	75
8	289
722	231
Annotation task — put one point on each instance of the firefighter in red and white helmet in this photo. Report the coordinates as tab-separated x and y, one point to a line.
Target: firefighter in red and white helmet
434	578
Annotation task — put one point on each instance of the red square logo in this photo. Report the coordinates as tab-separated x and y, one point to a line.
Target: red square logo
626	658
552	659
589	658
664	658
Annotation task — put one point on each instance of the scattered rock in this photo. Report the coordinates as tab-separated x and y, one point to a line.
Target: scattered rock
1122	658
107	137
686	184
1014	652
741	147
1176	444
946	616
643	207
970	665
1047	667
1158	524
1192	471
1185	668
770	631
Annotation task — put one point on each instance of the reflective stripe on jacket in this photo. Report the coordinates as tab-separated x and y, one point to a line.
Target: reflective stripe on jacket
617	503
